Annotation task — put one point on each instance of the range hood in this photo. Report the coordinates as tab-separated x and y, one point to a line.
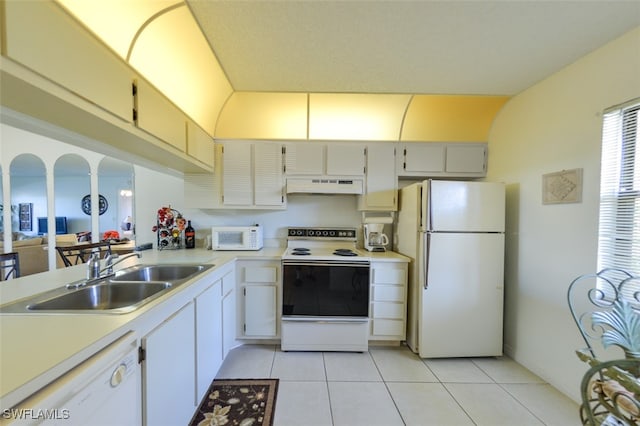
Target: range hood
324	185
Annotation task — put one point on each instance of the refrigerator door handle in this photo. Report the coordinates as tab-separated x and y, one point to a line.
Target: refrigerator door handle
429	209
427	252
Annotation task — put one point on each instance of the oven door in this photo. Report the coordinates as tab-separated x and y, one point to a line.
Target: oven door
325	290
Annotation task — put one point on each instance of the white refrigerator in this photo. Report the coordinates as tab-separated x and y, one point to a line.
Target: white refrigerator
454	233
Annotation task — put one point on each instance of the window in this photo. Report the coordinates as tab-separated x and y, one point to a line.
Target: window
619	234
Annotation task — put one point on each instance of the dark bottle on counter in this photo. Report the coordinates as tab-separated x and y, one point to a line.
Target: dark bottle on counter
189	236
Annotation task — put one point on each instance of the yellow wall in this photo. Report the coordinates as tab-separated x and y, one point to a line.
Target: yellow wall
443	118
333	116
251	115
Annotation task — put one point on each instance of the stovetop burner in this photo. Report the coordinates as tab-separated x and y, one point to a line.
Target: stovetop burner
345	252
300	251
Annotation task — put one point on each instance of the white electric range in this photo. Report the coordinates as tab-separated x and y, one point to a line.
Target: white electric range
325	303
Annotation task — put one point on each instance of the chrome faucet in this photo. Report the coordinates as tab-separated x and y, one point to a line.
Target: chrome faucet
109	261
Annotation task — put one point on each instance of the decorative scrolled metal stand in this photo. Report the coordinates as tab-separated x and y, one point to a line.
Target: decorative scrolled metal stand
606	309
169	229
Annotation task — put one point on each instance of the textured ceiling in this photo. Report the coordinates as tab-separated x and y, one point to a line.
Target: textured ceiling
434	47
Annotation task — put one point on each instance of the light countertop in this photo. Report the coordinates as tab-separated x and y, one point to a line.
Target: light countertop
36	348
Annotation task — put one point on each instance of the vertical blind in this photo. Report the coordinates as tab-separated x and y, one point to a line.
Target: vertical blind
619	233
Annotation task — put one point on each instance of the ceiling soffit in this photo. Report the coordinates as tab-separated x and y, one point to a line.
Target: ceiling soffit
161	40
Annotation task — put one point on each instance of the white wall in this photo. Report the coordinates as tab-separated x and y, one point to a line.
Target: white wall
302	210
552	126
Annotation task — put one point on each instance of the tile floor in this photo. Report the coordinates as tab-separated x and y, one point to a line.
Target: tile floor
392	386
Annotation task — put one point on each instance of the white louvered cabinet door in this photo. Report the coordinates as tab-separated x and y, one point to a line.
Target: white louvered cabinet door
268	179
236	174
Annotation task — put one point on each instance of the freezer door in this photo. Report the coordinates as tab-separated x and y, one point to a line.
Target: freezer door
461	308
453	206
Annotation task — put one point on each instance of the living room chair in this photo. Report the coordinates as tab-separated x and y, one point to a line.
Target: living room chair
606	309
80	253
9	265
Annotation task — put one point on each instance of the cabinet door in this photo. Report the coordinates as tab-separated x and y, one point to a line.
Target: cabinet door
421	159
169	370
466	158
159	117
381	182
200	145
236	174
260	310
304	158
228	314
208	337
42	37
268	181
345	159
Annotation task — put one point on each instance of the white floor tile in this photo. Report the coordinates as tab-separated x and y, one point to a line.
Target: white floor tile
350	367
490	405
303	366
302	403
547	403
506	370
362	404
457	370
427	404
392	386
248	362
399	364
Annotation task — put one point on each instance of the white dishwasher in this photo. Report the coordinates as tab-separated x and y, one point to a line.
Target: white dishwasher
103	390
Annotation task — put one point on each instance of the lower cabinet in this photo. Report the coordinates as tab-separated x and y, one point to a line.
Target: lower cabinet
208	322
257	282
388	300
168	379
182	355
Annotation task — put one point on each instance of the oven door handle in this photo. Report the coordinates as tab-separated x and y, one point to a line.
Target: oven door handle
326	320
333	263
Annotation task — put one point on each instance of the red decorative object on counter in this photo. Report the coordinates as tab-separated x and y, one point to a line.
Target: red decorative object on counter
169	228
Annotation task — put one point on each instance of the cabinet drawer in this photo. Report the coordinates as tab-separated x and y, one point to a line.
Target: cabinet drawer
388	310
388	293
388	276
387	327
260	274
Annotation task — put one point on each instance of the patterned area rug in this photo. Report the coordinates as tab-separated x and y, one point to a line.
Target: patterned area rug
238	402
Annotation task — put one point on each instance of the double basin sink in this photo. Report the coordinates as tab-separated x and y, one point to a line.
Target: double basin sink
123	292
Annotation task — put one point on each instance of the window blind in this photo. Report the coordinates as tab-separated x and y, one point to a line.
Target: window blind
619	228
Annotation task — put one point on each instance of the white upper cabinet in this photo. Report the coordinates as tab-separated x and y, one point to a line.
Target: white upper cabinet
252	175
268	180
237	178
304	158
427	159
325	158
420	159
381	183
158	116
467	159
45	39
200	145
345	159
59	72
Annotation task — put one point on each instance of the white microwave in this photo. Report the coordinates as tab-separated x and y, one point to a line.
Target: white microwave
236	238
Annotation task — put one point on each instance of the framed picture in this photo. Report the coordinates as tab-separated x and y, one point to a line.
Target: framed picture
562	187
25	212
